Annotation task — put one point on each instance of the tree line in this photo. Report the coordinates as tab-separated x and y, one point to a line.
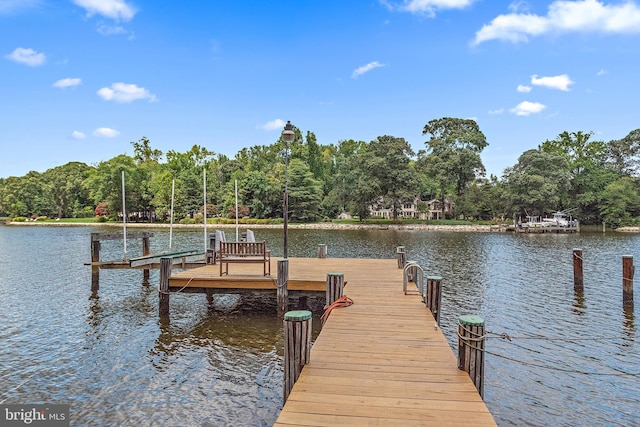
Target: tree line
599	181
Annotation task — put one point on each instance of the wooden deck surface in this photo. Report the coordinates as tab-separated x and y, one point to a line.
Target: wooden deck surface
381	361
305	274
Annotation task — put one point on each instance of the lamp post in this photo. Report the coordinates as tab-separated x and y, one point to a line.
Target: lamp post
287	136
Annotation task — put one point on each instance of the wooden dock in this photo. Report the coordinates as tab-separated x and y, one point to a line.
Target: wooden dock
379	362
382	362
305	274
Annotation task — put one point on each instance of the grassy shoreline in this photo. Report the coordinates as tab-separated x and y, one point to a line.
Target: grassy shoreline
340	225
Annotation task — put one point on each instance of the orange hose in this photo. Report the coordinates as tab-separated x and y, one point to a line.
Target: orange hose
343	301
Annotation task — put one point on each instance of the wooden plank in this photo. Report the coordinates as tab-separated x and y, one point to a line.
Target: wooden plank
120	236
433	414
331	420
154	258
381	361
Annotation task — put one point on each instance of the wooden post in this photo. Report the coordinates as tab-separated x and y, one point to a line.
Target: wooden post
282	293
322	251
578	277
471	338
163	289
209	299
412	271
146	250
628	271
335	287
95	258
297	346
433	297
401	255
211	251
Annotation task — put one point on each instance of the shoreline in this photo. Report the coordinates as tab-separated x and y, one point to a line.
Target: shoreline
313	226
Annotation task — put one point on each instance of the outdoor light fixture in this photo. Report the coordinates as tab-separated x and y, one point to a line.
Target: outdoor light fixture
288	135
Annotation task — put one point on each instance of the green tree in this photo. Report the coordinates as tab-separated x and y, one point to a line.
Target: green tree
621	201
452	157
589	173
389	161
262	194
105	185
305	192
143	153
66	186
358	187
187	170
538	181
624	154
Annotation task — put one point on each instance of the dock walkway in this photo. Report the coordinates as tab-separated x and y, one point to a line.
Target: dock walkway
379	362
382	362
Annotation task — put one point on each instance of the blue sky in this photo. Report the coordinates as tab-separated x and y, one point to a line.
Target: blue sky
81	79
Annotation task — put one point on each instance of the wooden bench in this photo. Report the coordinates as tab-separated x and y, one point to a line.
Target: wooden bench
245	252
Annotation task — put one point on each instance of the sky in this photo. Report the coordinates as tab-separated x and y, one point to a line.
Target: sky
82	79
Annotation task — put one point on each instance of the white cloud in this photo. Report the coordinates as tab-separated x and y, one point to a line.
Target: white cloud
27	56
106	132
524	89
273	125
366	68
561	82
563	16
427	7
68	82
496	112
110	30
76	134
117	10
602	72
527	108
519	6
123	92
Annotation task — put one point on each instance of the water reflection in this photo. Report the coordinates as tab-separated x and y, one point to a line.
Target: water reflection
629	324
215	363
578	305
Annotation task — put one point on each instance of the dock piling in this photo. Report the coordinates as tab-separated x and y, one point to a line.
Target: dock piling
282	293
163	289
433	297
95	259
578	276
322	251
471	336
335	287
628	271
297	346
401	256
146	250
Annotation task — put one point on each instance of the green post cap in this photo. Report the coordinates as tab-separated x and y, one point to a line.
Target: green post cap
627	256
297	315
335	274
436	278
471	320
577	249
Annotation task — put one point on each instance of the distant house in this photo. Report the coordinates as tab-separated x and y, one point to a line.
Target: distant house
411	210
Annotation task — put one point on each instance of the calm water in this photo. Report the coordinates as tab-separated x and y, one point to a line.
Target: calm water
116	363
